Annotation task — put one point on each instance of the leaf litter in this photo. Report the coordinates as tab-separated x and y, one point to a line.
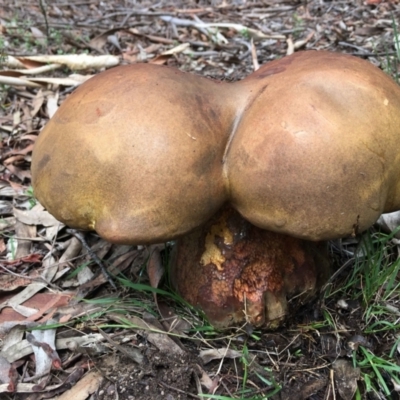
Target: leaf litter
139	342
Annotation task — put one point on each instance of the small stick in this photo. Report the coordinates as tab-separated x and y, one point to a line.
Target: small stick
93	256
42	7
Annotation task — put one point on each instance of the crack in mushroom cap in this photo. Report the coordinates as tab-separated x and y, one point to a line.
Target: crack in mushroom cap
306	146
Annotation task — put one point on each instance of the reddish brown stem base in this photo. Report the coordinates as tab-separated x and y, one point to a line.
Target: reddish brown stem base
237	273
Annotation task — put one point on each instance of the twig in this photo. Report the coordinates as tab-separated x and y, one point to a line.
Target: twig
332	383
256	65
43	9
133	354
93	256
337	273
178	390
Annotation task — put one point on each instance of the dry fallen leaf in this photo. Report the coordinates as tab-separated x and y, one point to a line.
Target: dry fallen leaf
152	333
43	344
4	370
23	234
52	104
207	382
155	268
390	222
75	61
346	377
13	81
84	388
215	354
37	215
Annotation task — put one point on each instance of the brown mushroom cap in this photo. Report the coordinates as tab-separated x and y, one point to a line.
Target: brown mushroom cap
135	153
316	153
307	146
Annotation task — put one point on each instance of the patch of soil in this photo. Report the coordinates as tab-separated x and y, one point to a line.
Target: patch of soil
159	376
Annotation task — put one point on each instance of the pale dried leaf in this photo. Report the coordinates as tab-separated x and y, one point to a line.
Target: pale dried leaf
118	265
197	381
159	339
215	354
39	70
390	222
50	268
24	295
99	41
5	207
14	335
38	35
396	386
23	234
73	249
12	245
12	81
155	268
52	231
163	343
84	388
256	65
177	49
17	351
72	80
3	246
392	309
7	190
37	102
52	104
7	326
37	215
341	303
29	388
172	321
4	370
42	360
11	62
25	311
208	383
300	43
76	61
16	118
346	377
113	39
85	275
290	44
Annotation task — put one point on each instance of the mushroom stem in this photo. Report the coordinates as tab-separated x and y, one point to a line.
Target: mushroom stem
236	273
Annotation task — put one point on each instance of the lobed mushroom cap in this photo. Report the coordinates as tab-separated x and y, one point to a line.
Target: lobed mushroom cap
316	153
306	146
134	153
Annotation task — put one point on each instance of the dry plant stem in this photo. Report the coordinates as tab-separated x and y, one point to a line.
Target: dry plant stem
193	396
337	273
93	256
43	9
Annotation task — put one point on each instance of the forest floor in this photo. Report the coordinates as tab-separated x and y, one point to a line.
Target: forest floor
114	344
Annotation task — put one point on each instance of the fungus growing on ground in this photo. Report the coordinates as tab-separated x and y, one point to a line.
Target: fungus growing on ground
250	176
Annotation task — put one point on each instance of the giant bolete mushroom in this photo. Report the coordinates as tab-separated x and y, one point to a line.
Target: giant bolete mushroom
303	150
